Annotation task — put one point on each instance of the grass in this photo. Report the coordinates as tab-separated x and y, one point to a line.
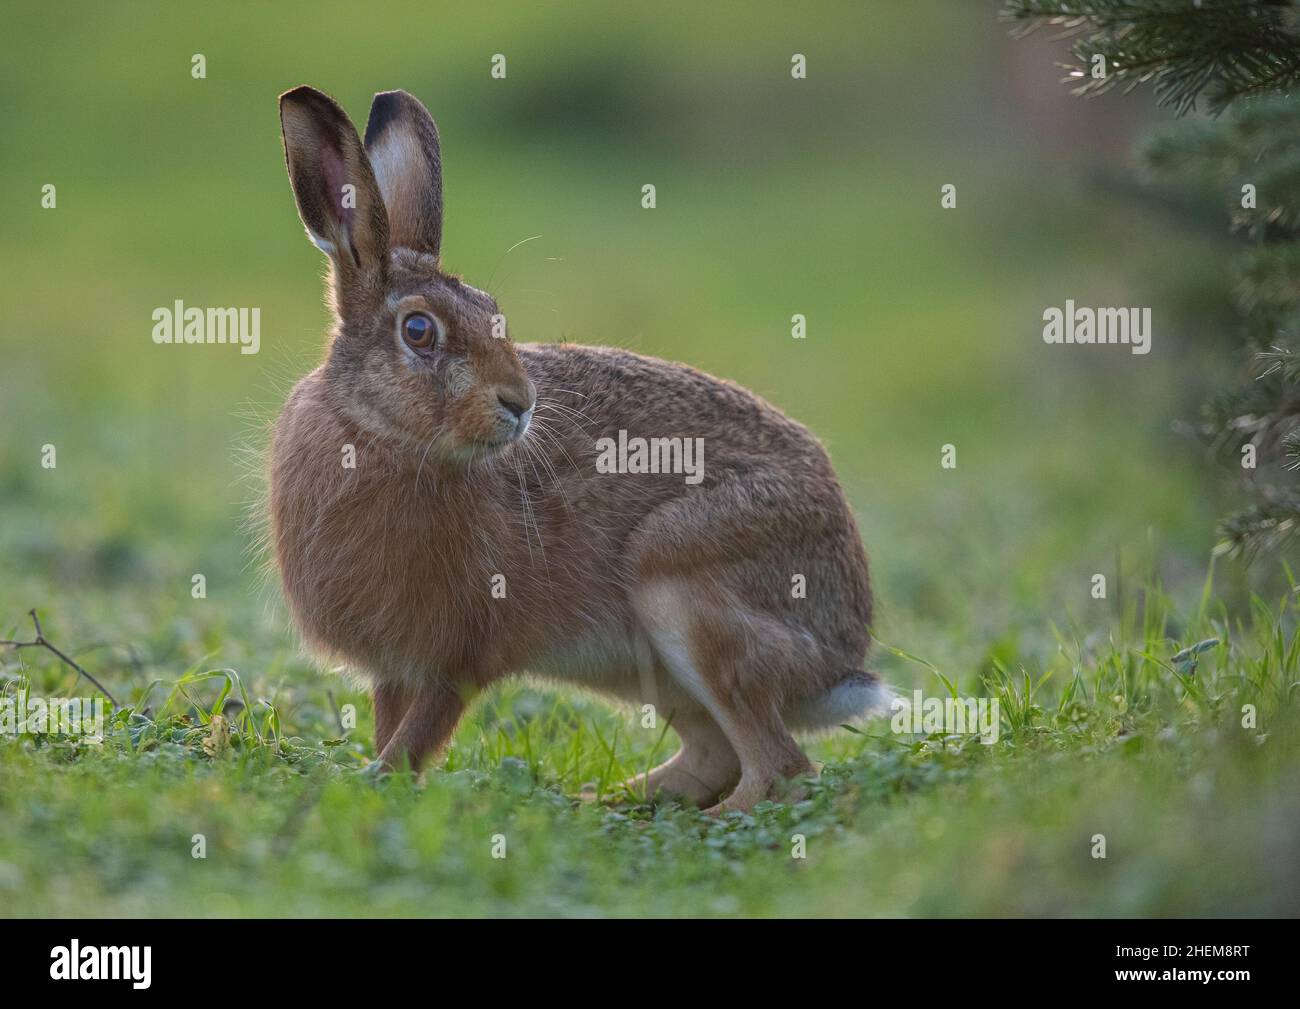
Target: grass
1138	737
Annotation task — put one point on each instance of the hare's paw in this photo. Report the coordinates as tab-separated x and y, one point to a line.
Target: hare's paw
373	771
700	773
674	781
787	788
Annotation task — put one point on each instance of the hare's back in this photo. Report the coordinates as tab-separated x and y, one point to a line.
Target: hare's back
611	390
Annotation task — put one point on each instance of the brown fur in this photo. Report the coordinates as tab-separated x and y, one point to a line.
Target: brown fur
639	585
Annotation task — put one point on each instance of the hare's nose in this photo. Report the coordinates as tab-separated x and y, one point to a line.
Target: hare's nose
518	409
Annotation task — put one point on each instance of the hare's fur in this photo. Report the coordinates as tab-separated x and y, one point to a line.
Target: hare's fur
641	586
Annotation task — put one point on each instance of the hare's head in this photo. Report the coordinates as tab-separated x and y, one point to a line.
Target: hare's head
417	355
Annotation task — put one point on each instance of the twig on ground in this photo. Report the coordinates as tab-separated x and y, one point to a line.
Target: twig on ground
40	641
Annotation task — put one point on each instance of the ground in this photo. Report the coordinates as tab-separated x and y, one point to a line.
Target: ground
1117	741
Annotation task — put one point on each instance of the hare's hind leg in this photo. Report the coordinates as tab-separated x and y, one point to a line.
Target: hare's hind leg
712	575
714	655
704	770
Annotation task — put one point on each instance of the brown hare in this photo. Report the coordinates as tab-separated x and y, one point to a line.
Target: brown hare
441	517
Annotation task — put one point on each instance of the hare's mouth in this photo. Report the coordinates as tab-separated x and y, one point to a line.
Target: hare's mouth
511	431
486	450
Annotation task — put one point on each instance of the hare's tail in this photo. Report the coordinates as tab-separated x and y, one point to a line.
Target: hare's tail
856	697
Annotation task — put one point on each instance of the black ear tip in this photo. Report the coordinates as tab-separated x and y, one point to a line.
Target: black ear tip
313	102
387	107
303	94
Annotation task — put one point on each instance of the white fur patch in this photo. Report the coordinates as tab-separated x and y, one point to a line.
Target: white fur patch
323	244
664	610
851	701
394	159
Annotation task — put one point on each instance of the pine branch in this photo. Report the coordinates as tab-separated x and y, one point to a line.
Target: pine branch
1243	54
1219	50
1265	527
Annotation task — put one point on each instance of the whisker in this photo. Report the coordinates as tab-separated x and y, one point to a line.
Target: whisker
523	498
555	440
421	466
569	392
564	410
541	546
512	248
549	467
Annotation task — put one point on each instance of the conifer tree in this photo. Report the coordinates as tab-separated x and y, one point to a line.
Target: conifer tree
1232	68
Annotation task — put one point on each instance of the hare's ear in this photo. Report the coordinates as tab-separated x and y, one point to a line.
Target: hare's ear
402	142
338	198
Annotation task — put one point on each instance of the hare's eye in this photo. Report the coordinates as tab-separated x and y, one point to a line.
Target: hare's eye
419	331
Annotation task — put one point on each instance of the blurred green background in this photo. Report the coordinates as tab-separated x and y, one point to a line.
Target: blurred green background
775	197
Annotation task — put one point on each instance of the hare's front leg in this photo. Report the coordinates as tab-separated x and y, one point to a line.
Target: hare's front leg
391	699
424	728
